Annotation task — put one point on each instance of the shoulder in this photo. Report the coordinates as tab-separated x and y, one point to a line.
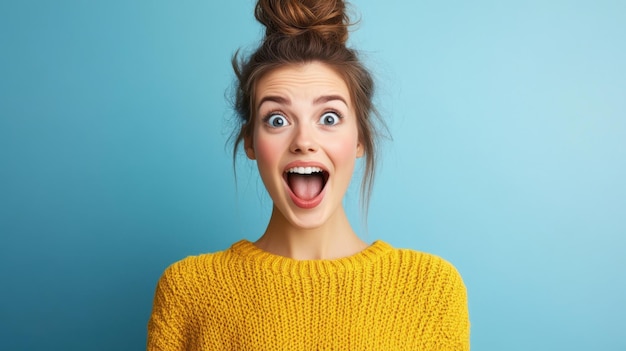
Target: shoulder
191	264
193	269
204	271
186	282
183	288
435	287
422	261
426	262
427	272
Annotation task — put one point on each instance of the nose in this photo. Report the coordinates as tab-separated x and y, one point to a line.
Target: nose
303	139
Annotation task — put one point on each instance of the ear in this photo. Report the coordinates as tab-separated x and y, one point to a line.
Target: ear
249	148
359	150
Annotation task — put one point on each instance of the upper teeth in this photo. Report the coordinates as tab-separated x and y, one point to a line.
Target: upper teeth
304	170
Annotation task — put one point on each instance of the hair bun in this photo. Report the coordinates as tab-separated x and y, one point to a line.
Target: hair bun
326	18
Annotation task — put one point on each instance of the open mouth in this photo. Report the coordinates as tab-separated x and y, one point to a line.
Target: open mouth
306	182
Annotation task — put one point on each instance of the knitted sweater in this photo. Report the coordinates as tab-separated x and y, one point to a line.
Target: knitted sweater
245	298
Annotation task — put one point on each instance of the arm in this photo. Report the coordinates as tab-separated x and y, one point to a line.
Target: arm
453	311
167	322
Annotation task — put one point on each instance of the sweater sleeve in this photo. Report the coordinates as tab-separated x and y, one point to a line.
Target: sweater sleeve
166	327
454	312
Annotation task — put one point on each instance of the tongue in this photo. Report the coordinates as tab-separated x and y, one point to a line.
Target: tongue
305	187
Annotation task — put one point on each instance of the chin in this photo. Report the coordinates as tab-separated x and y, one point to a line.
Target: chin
306	219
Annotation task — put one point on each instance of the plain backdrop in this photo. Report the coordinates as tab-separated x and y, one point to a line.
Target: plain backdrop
508	159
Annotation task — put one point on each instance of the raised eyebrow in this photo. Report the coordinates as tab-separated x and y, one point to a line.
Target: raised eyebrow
326	98
274	98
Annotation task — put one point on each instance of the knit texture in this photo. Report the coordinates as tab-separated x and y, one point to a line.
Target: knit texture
248	299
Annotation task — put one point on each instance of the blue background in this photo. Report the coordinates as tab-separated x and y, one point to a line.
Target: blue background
508	159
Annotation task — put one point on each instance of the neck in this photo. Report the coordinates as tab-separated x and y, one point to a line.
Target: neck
334	239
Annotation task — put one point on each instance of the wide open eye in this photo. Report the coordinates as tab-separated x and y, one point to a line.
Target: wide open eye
329	119
276	121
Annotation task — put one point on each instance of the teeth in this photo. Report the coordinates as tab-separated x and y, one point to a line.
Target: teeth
304	170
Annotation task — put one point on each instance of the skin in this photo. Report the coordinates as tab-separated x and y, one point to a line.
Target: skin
304	116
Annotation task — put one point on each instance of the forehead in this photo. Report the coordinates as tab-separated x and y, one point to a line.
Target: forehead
301	81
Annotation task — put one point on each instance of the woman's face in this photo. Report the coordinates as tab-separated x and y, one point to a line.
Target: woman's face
305	141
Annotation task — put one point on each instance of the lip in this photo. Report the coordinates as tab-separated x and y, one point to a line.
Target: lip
305	204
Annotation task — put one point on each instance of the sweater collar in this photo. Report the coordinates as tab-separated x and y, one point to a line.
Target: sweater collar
249	252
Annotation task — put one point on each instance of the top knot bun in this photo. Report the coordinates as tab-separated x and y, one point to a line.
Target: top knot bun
326	18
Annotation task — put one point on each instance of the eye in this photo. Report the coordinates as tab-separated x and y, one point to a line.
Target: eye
329	119
276	120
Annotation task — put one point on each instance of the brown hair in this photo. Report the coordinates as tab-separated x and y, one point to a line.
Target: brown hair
301	31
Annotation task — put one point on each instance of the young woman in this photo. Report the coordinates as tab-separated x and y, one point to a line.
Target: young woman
309	282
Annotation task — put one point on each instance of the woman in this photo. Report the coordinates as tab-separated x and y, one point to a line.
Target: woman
309	282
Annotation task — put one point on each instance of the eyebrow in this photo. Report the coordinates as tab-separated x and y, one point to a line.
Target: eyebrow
327	98
319	100
276	99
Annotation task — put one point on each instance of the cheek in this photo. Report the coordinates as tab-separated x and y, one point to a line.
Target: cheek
343	157
347	150
344	149
267	151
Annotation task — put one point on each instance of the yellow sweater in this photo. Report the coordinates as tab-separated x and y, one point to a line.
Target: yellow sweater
247	299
